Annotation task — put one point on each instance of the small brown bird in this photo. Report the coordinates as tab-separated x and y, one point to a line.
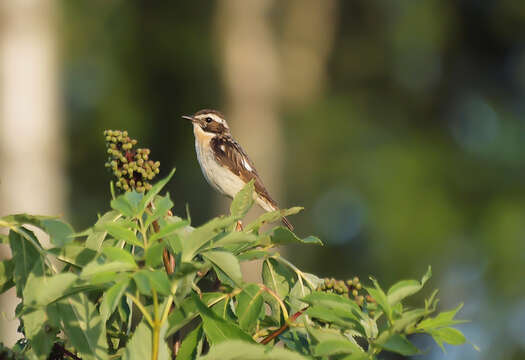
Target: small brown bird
224	163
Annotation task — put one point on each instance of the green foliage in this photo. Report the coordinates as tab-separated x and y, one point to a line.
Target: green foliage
111	295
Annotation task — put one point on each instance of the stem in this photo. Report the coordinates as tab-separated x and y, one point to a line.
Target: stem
276	297
141	308
156	326
283	328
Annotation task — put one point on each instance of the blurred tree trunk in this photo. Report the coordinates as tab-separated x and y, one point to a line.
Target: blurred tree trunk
308	36
251	77
31	175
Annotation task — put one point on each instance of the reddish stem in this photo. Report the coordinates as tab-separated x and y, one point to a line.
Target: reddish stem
283	328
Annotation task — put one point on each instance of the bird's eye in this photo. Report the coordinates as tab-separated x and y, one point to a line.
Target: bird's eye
208	119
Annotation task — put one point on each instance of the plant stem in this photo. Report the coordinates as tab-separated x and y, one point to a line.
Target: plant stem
142	309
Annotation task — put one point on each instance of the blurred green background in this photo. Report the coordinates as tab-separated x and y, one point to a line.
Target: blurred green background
399	127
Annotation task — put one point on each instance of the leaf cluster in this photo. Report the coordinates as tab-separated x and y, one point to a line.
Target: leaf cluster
105	293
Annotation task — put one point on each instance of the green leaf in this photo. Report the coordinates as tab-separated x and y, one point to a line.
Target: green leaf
334	301
380	297
409	318
78	255
233	238
158	280
119	255
283	236
83	326
447	335
202	235
24	256
140	346
227	263
443	319
161	206
167	230
60	232
40	332
96	238
405	288
299	291
96	268
150	195
43	290
399	344
253	255
239	350
120	232
154	254
276	277
112	298
127	203
6	275
188	311
337	347
217	329
189	348
243	201
272	216
249	306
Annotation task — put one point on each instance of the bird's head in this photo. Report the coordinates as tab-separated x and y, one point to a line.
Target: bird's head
210	121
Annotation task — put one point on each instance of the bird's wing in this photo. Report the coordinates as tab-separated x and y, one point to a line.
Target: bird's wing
227	151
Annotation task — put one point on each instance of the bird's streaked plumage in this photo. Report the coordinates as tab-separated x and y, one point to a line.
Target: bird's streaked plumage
224	163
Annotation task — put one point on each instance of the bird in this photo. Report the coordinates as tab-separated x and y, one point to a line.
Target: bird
224	163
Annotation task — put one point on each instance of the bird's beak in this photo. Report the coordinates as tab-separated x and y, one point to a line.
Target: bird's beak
188	117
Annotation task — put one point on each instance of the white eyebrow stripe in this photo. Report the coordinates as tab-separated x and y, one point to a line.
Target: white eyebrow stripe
246	165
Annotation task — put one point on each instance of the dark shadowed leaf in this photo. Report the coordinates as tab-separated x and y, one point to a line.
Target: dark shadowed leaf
227	263
24	256
7	280
189	348
112	298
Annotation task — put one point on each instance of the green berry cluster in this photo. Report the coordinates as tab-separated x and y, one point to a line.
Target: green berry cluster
349	288
132	167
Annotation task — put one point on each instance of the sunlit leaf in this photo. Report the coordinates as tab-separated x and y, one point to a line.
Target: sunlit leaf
111	298
237	350
249	305
227	263
150	194
243	201
399	344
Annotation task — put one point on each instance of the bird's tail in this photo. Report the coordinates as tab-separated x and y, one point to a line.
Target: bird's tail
288	224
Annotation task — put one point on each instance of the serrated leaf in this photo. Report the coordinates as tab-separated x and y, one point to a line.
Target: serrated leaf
272	216
40	332
202	235
158	280
40	290
443	319
167	230
119	255
217	329
155	189
227	263
154	254
337	347
120	232
405	288
243	201
162	206
112	298
399	344
96	238
188	311
249	306
96	268
83	326
447	335
6	275
24	256
189	349
237	350
283	236
140	346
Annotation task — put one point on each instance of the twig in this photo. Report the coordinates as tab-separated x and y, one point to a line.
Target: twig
283	328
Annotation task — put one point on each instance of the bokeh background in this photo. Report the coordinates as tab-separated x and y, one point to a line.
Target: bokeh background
398	125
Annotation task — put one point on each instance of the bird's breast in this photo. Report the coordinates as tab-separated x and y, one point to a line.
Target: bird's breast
220	177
